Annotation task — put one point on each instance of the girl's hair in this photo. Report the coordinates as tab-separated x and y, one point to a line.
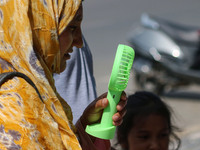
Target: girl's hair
140	105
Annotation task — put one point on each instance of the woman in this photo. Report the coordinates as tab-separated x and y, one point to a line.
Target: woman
36	38
79	70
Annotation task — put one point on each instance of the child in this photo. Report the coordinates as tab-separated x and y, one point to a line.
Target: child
147	124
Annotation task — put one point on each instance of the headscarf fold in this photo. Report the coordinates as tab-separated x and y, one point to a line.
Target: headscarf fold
29	31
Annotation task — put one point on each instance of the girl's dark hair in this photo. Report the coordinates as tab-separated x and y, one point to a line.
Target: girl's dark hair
140	105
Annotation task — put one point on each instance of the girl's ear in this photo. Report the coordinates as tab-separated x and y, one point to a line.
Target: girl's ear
112	148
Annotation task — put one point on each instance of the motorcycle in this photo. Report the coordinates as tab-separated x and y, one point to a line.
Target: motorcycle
167	54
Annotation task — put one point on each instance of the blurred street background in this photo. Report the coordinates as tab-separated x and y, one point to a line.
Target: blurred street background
106	24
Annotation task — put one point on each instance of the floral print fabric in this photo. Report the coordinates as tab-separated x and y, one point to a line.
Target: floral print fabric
29	44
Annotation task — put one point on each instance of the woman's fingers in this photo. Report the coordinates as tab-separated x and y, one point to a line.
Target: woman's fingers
118	117
101	104
94	111
123	96
122	103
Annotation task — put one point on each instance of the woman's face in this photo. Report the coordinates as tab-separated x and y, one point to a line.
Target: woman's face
71	36
151	133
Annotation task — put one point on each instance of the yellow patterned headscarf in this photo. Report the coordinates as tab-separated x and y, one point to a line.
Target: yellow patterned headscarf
29	31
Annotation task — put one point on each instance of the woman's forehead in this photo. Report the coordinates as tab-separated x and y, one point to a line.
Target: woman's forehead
79	14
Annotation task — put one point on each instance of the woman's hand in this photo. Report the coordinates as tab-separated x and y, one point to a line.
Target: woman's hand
93	112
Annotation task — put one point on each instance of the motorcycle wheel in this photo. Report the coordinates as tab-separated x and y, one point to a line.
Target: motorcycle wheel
148	84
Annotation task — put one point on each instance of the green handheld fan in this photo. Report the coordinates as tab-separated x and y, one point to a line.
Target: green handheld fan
118	82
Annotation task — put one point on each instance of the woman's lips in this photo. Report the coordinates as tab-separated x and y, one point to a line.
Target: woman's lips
67	55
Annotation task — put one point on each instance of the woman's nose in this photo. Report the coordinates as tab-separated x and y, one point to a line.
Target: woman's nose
78	42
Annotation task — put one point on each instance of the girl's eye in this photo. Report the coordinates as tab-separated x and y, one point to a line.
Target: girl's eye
165	134
144	137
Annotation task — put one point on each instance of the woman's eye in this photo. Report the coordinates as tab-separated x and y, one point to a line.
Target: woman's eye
73	28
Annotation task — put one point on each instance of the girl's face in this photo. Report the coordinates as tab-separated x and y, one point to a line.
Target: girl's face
71	36
151	133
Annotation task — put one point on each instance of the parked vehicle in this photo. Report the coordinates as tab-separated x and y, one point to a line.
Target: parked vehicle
167	54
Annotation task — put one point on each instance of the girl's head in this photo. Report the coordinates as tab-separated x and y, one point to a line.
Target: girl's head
147	124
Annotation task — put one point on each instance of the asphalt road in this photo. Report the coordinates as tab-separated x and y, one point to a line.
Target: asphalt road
106	24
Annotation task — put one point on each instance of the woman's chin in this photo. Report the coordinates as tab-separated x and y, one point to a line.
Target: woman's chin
63	66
